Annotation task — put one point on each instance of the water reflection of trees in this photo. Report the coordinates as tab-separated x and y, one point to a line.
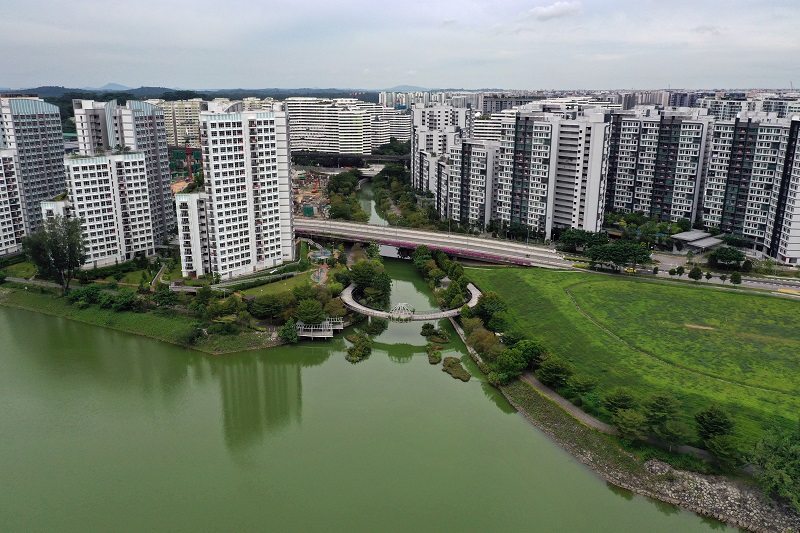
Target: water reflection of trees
67	351
260	392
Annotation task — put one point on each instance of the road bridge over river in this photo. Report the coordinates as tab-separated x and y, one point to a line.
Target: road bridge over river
482	248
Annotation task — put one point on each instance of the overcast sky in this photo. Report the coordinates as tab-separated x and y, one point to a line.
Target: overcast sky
375	44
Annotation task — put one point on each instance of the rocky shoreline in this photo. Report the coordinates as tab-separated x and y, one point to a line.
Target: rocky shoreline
722	498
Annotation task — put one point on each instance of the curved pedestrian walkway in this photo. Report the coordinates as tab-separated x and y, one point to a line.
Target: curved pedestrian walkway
602	427
351	303
585	418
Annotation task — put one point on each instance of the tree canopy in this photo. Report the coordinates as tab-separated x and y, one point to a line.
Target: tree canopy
58	249
725	256
310	311
619	253
777	459
573	238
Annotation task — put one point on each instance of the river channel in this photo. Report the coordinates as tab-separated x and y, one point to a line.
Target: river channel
106	431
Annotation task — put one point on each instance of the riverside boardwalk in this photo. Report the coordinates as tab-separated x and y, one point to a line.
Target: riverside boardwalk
405	313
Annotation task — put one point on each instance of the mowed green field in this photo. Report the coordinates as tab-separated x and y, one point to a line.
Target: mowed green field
705	346
289	283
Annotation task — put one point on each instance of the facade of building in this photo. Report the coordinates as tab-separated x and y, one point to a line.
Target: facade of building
471	171
31	165
552	171
782	107
110	194
344	125
137	127
242	221
489	103
487	127
752	185
656	162
725	109
435	130
181	121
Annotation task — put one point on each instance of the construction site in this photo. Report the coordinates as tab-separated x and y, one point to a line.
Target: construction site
309	193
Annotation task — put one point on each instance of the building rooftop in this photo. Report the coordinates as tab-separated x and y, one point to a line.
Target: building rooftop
693	235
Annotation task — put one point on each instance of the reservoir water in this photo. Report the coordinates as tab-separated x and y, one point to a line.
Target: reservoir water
105	431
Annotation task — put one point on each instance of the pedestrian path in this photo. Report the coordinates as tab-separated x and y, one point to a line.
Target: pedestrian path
404	313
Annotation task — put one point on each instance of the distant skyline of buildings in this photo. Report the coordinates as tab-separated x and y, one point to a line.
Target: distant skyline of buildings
554	163
544	160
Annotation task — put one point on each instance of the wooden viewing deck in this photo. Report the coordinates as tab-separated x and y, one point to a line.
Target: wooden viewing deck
320	331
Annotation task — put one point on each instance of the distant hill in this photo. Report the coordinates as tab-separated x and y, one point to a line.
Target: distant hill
115	87
158	92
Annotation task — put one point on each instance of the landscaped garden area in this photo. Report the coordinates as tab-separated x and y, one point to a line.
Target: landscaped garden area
701	345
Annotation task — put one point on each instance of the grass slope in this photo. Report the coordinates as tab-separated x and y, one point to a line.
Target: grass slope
20	270
165	327
752	346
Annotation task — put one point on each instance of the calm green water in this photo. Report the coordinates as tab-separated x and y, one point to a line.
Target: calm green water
365	197
104	431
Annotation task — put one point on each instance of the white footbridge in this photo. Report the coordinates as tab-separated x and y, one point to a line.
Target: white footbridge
402	312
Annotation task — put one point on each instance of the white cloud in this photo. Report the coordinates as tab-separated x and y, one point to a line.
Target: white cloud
556	10
708	29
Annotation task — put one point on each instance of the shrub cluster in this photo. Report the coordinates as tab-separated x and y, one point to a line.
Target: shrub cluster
434	267
434	353
453	366
360	349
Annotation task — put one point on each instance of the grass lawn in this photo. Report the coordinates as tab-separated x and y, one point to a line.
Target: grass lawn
289	283
279	286
749	363
20	270
133	277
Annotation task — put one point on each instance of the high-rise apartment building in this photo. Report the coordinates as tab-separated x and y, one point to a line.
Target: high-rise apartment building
725	109
181	121
344	125
31	165
138	127
656	162
471	175
435	130
242	221
552	171
110	194
753	183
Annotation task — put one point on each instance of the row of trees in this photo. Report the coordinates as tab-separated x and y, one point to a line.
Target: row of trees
619	254
321	159
659	415
696	273
728	258
599	250
391	188
434	265
344	204
393	147
648	230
